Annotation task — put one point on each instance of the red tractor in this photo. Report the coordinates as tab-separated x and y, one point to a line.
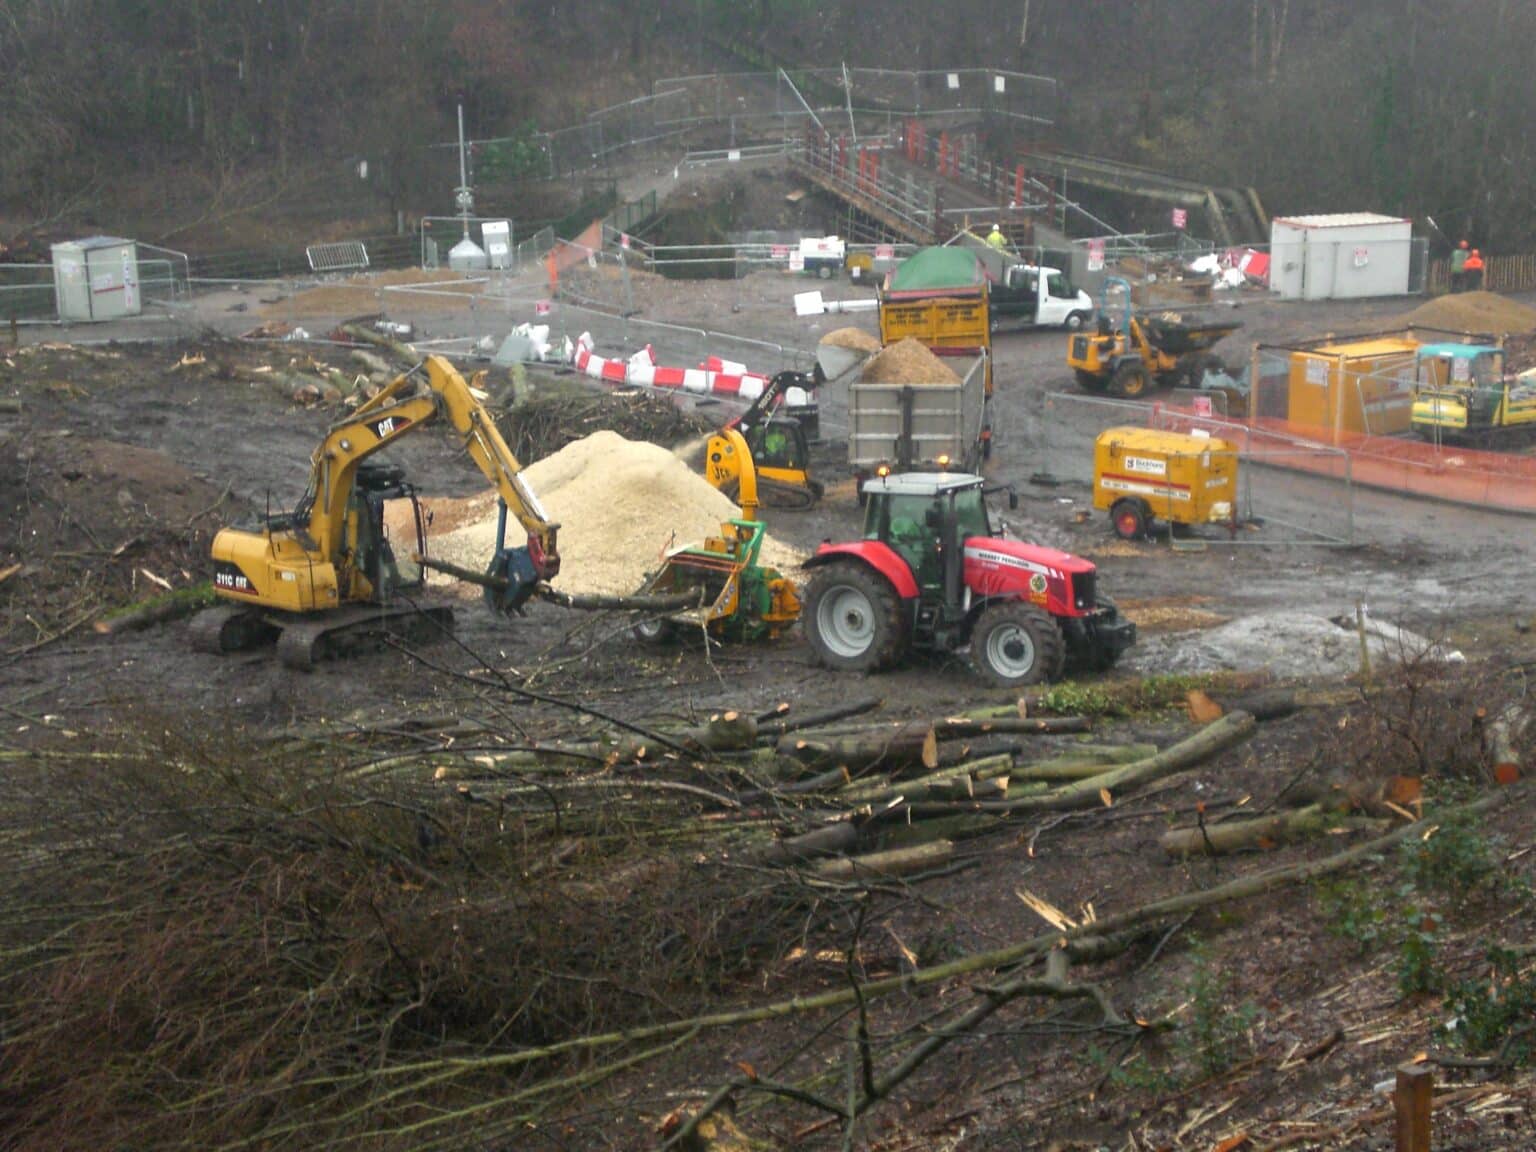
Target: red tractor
930	574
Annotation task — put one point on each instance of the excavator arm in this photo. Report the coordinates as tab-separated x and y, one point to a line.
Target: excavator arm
401	408
761	409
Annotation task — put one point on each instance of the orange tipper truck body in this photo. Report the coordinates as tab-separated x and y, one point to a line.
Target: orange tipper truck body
1141	475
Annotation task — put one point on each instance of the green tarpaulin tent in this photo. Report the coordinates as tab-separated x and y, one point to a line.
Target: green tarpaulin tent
935	268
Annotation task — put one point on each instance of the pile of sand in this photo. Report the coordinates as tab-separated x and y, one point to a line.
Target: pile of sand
621	505
908	362
1474	312
855	338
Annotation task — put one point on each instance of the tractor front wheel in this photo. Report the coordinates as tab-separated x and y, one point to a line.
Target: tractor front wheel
1016	644
852	618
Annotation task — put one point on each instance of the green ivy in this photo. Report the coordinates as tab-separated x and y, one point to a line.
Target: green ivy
1495	1010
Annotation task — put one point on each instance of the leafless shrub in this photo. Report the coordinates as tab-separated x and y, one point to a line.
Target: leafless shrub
1422	716
209	942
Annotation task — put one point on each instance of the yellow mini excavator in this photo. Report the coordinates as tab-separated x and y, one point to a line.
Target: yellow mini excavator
772	439
326	575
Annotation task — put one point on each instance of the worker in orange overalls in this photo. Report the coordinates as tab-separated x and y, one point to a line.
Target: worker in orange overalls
1473	272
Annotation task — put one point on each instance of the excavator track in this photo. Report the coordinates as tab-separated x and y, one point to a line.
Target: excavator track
231	628
307	641
779	493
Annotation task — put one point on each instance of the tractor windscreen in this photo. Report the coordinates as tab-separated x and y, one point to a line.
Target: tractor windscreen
971	513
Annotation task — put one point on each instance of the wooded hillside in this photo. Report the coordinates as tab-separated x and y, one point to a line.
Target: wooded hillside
1325	105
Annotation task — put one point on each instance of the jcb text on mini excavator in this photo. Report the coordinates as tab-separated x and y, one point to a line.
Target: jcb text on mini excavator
326	573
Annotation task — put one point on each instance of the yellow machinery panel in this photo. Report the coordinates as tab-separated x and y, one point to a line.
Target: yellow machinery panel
945	323
961	323
1350	388
1172	477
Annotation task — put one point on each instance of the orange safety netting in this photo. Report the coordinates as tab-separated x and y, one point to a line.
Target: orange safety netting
1456	473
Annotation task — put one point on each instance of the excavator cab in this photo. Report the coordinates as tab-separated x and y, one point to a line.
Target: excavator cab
384	562
780	444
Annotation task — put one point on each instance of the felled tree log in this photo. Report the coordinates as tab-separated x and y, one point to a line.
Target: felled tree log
726	732
403	353
723	732
586	602
1085	764
832	780
961	726
983	772
831	840
1242	835
1270	704
798	722
160	610
913	746
898	833
1207	742
374	363
883	865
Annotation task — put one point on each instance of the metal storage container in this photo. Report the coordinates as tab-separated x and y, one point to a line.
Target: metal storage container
1340	256
96	279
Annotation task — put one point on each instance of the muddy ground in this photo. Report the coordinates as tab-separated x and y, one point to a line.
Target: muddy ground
124	457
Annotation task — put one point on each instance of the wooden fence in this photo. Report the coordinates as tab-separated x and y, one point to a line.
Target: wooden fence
1502	274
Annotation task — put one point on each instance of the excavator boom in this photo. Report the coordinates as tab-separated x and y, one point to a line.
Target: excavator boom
329	556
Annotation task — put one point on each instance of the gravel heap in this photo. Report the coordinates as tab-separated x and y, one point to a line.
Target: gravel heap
1475	312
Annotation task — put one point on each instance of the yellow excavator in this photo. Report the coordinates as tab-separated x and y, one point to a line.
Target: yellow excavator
326	576
773	444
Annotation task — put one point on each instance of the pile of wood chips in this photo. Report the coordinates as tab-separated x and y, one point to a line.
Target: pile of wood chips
855	338
909	362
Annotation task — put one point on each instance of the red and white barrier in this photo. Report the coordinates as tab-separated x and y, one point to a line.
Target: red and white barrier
715	376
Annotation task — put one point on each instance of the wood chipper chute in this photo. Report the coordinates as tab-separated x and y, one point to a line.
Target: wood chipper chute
738	597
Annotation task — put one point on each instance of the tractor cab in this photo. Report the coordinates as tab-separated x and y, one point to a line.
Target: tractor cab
925	517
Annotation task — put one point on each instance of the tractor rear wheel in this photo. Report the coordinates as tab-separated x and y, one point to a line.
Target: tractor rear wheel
1130	381
852	618
1016	644
1130	518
